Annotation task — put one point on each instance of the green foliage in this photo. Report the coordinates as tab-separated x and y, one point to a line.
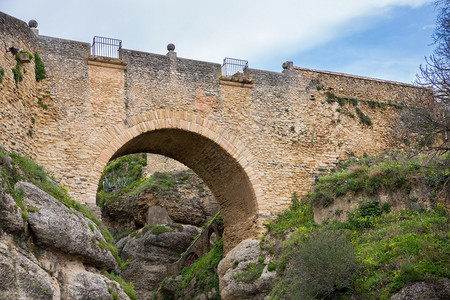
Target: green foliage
2	73
374	104
297	215
317	265
340	101
41	104
203	270
402	248
366	215
18	76
91	226
39	68
127	287
158	229
271	267
370	174
353	101
252	272
16	167
363	119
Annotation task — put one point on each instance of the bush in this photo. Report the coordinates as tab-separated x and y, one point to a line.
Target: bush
320	267
366	214
39	68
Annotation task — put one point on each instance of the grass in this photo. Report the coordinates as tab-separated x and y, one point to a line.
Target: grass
369	175
121	181
127	287
15	167
390	250
39	68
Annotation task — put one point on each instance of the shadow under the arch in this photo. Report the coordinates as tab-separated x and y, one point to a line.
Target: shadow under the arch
222	173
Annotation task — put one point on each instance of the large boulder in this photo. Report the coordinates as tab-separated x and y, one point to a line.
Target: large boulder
21	277
89	286
150	254
10	214
424	290
236	263
54	225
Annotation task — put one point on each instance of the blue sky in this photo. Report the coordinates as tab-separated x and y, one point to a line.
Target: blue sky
385	39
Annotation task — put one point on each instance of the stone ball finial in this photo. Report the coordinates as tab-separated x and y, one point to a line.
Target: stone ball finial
171	47
33	24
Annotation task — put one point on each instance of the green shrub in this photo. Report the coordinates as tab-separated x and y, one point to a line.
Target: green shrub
363	119
322	266
271	267
39	68
365	216
323	199
2	72
353	101
299	213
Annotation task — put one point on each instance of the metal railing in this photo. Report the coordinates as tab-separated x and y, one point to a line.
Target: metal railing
107	47
231	66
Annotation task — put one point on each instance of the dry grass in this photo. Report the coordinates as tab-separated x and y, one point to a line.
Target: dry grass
375	172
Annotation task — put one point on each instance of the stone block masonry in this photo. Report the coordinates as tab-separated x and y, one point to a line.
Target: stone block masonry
253	144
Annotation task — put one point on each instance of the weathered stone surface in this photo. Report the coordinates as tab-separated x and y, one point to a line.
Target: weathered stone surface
21	277
54	225
188	201
236	261
89	286
424	290
158	215
149	255
10	214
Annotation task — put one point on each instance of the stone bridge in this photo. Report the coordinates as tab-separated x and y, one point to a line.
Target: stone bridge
254	139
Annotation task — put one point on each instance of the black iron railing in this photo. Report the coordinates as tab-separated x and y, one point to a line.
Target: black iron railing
103	46
231	66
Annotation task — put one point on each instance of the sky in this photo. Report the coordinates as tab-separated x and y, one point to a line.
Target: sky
386	39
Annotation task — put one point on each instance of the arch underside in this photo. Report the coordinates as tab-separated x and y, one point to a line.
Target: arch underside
223	174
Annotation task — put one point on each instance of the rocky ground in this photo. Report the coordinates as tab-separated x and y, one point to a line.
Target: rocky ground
54	253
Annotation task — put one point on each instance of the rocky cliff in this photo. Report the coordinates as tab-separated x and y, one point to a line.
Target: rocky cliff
51	251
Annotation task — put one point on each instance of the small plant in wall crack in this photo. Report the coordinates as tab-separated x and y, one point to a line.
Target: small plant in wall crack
39	68
41	104
2	72
18	76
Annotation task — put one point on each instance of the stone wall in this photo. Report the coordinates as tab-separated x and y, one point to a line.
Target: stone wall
253	144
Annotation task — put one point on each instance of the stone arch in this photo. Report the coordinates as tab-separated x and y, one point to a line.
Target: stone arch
217	156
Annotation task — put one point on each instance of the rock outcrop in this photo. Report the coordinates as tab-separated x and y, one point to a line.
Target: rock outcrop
150	253
10	214
54	225
424	290
52	254
188	201
235	264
